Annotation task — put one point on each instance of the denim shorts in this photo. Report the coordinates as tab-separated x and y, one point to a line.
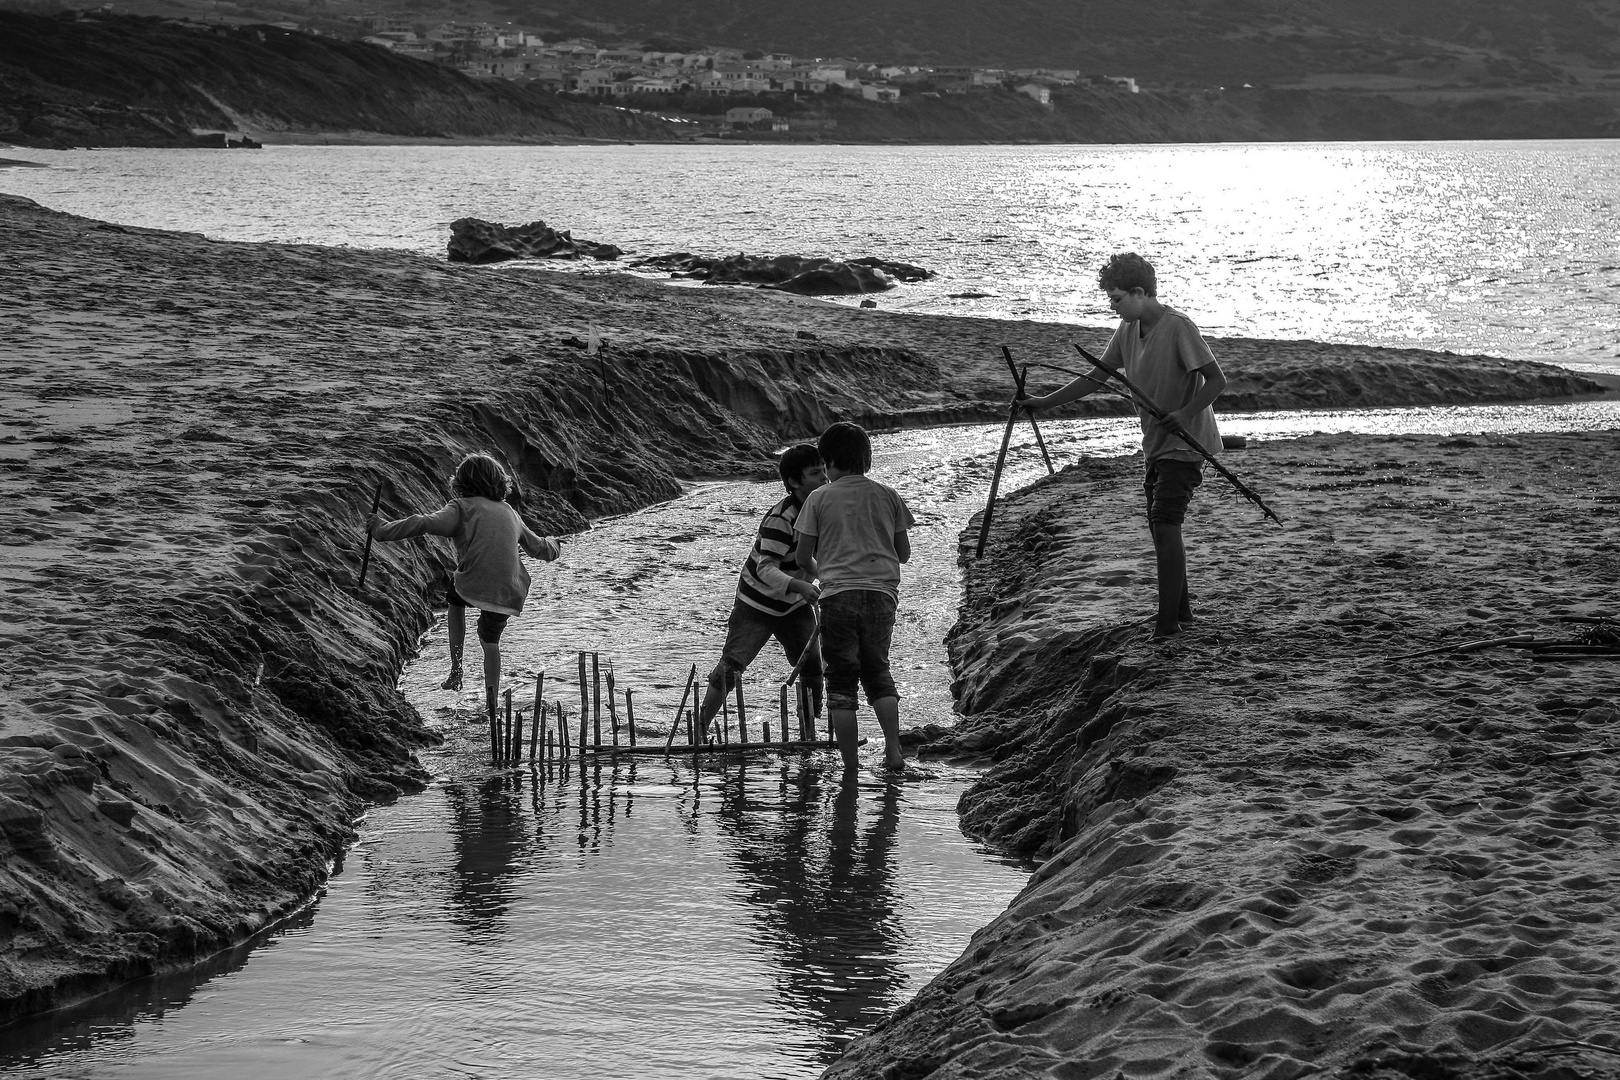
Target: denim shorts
490	623
856	629
1169	486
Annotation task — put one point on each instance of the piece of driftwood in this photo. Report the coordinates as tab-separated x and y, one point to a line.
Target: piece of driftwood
1467	646
1018	380
1582	750
675	725
365	557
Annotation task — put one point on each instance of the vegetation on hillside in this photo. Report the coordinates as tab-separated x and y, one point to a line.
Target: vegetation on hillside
116	80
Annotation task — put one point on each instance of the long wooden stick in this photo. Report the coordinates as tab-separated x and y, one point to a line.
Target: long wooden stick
995	478
1018	378
675	725
630	714
539	714
1181	433
815	633
365	557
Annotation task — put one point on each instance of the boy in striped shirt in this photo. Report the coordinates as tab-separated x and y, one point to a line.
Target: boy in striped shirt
774	595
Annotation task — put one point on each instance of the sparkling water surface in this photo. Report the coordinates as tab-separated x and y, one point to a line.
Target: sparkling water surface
1499	247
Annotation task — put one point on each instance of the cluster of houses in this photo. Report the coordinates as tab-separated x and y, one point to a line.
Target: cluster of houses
583	67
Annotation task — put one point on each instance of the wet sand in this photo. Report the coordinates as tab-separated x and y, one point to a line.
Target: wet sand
1273	847
196	699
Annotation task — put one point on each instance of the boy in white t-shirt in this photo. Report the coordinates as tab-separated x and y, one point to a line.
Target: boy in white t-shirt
1163	353
853	531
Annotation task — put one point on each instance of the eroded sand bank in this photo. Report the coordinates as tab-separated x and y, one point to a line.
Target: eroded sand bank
1272	850
195	700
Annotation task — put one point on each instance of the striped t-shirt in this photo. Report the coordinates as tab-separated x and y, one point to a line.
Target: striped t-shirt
763	584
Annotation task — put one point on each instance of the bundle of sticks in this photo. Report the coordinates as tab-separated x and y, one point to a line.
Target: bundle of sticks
1598	637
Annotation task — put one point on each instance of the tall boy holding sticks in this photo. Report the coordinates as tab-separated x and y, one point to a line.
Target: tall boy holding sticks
1162	352
854	531
774	591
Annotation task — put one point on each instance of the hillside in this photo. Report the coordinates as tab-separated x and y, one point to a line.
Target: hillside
132	81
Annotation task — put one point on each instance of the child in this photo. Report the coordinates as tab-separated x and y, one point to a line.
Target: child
854	531
489	575
1165	356
774	595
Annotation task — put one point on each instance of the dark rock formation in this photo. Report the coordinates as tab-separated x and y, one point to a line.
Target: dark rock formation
802	274
475	241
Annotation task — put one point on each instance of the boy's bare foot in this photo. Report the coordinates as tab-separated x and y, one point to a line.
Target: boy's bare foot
895	764
452	681
1165	635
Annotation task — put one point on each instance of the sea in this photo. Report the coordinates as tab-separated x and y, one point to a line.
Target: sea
1505	248
749	915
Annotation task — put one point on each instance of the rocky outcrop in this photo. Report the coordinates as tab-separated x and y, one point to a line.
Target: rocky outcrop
473	240
800	274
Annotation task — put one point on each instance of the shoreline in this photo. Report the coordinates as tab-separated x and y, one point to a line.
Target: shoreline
197	700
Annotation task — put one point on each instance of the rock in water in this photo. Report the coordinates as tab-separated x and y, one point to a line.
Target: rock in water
789	273
475	241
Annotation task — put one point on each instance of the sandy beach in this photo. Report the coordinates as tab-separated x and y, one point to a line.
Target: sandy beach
196	700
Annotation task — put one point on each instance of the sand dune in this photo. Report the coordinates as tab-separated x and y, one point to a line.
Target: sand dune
1272	849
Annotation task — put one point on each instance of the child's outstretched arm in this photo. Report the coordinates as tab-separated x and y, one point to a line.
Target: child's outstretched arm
441	522
540	547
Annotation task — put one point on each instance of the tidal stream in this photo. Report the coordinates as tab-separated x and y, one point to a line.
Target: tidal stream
740	916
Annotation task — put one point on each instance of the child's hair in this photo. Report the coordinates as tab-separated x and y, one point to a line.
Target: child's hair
796	459
1128	271
482	475
846	447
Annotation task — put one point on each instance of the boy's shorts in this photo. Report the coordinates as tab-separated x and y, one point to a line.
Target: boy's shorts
856	629
1169	486
490	623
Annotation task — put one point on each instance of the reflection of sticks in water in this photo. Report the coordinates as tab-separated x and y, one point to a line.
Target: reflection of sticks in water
630	714
680	710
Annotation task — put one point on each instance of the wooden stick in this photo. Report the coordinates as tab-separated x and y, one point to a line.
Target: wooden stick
630	714
1467	646
680	709
365	557
815	634
516	755
784	709
613	704
584	695
742	711
1019	377
539	714
596	695
562	728
995	478
609	749
725	715
1583	750
505	740
1181	433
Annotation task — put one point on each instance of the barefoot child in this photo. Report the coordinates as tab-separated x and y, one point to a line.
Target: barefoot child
854	532
1165	356
489	575
774	594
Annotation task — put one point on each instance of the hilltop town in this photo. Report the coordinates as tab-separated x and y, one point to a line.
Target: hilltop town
674	82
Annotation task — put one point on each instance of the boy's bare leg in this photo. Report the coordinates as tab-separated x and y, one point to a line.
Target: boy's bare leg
1170	553
848	736
888	718
456	618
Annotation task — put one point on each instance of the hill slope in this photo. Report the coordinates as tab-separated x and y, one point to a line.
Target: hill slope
132	81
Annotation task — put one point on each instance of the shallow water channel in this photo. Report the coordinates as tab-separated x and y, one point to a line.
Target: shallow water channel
729	917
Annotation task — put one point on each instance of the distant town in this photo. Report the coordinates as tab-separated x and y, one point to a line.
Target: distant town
640	77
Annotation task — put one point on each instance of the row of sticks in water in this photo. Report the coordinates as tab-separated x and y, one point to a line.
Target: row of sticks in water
549	742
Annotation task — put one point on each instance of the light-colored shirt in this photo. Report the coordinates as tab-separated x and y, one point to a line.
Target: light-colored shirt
763	583
1163	366
854	520
487	534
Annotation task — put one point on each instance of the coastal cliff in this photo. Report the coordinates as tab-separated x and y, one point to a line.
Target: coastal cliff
197	699
1280	845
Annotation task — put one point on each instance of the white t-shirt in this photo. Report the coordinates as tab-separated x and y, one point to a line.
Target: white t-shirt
854	520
